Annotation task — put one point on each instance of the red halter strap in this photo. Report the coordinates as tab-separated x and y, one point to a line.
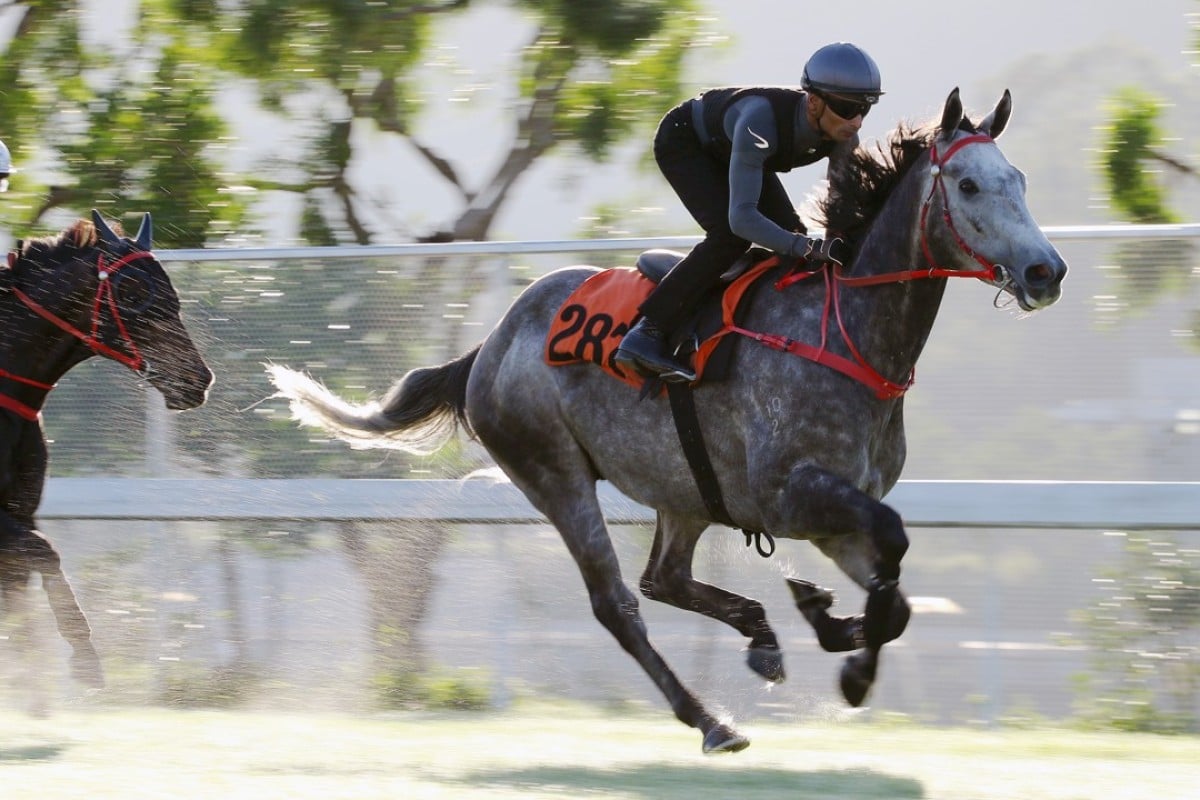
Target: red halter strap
857	367
105	296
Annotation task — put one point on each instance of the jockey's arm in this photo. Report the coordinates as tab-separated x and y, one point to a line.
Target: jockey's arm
750	125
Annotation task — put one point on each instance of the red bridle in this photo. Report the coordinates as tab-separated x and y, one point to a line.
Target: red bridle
857	367
105	298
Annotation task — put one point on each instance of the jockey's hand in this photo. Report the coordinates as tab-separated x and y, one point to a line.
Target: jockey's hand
833	250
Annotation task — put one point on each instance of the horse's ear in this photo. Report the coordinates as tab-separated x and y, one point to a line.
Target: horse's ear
106	233
993	124
952	114
145	232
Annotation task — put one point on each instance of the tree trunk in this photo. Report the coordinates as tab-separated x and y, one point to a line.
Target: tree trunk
396	559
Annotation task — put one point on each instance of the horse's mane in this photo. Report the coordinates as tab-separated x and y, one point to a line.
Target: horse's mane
857	192
81	235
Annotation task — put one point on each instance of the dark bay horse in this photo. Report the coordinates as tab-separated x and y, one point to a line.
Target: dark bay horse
802	447
87	291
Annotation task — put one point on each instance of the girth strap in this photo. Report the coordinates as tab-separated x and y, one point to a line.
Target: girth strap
687	425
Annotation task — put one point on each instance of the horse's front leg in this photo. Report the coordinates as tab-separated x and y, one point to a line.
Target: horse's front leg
29	551
72	623
868	541
840	634
668	579
21	632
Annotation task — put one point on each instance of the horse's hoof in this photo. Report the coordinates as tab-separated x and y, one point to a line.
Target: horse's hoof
808	595
724	739
856	680
86	669
767	662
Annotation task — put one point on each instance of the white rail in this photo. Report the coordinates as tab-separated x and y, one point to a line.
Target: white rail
935	504
1055	232
1006	504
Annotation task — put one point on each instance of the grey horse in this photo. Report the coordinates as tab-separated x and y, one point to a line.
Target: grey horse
802	447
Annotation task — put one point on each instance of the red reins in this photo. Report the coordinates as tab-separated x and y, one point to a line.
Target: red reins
857	367
105	297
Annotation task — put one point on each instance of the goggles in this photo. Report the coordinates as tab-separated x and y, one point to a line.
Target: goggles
848	107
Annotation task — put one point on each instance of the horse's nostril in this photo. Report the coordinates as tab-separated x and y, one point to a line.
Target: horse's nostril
1038	274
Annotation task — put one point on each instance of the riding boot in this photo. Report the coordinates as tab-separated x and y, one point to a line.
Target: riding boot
644	349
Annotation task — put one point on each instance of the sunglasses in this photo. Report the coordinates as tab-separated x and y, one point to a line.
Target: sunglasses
846	107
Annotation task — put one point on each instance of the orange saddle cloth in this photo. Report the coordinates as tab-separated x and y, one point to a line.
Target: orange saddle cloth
590	325
591	322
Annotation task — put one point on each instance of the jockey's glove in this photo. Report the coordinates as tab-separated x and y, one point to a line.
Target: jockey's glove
833	250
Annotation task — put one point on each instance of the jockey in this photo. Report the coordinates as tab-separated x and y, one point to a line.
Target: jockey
720	151
6	167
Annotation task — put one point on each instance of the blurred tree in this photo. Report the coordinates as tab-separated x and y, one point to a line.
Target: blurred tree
1142	633
127	126
591	74
132	124
1142	636
1133	160
1132	145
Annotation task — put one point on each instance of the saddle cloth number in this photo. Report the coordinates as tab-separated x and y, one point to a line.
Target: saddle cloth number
591	323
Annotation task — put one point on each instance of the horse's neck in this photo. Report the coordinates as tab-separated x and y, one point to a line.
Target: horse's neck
34	348
894	318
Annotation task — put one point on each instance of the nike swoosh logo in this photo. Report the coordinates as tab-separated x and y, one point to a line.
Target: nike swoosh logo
759	142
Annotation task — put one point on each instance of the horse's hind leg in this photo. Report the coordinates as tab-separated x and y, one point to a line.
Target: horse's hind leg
668	579
572	507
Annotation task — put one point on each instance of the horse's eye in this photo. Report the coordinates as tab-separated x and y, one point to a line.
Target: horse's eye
968	186
134	289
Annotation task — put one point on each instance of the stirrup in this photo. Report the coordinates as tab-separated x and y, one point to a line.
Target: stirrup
668	373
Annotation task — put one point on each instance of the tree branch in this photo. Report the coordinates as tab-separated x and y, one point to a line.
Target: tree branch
386	115
431	8
1172	162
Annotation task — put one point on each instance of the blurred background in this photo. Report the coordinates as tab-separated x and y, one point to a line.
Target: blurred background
285	124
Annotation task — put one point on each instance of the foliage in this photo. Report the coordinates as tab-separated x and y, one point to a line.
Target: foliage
192	686
1144	636
1132	162
1130	147
592	74
456	690
126	132
135	124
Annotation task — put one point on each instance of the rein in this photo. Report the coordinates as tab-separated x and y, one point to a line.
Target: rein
857	367
105	297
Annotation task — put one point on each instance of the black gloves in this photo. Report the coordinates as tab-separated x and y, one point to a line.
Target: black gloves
833	250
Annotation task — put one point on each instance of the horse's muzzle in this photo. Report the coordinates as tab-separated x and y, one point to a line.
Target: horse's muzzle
1036	285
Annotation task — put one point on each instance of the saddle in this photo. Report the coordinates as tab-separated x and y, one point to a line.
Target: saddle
591	322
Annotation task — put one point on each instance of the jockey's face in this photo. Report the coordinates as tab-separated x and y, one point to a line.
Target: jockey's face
830	124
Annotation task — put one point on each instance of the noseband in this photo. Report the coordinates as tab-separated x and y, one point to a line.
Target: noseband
105	297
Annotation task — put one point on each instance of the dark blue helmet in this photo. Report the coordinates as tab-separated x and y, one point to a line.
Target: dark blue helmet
842	68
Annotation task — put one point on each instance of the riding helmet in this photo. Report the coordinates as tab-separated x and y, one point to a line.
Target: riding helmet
842	68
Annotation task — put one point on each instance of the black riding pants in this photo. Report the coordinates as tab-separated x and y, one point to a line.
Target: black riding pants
701	179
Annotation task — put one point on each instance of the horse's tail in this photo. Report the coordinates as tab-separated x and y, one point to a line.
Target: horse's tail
418	414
